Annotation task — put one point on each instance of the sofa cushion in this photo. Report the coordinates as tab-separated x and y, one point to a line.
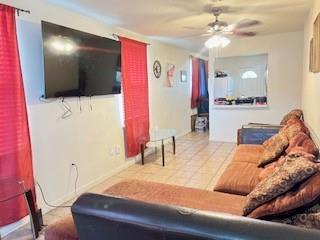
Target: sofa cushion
63	229
293	171
273	149
307	220
160	193
291	131
296	113
270	168
305	142
238	178
304	194
249	153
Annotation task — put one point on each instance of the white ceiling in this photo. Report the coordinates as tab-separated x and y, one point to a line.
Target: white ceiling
172	20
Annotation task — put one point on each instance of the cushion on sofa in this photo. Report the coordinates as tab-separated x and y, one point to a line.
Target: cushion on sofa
299	152
305	142
291	131
249	153
160	193
302	195
238	178
296	113
270	168
293	171
273	149
63	229
307	220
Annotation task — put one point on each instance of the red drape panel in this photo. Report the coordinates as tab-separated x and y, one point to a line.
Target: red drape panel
135	93
15	150
195	82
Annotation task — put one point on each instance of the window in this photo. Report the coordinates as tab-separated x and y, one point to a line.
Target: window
249	75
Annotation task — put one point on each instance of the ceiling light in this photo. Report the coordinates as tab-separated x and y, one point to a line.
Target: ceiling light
217	42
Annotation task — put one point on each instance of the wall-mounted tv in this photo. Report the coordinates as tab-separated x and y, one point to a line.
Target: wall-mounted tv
78	63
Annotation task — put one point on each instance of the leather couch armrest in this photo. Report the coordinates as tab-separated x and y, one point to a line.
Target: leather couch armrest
100	217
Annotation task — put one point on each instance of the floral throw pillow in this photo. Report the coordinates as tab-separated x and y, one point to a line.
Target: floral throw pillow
293	171
296	113
307	220
273	149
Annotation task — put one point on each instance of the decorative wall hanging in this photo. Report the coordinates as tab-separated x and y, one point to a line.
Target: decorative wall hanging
311	57
170	74
157	68
183	76
315	67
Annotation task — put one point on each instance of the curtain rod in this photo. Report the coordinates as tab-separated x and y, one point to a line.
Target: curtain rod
117	37
21	10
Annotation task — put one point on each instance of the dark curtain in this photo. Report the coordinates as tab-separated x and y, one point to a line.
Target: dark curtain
203	101
15	149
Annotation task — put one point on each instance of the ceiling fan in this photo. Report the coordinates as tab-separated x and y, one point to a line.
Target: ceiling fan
219	27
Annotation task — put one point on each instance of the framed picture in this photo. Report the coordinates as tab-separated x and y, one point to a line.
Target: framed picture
311	57
183	76
316	46
170	74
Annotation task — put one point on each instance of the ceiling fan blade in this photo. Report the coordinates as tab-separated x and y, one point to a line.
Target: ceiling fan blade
194	28
206	34
195	35
209	8
245	23
244	34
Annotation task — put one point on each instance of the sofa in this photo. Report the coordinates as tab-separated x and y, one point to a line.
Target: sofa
277	181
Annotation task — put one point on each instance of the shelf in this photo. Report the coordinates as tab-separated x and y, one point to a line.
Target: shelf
241	106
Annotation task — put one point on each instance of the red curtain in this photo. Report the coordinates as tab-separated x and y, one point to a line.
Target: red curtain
195	82
15	149
135	93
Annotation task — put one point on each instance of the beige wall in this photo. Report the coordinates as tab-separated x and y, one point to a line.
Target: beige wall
311	81
170	106
87	138
285	53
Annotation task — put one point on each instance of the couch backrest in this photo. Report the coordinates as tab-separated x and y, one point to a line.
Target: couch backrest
105	217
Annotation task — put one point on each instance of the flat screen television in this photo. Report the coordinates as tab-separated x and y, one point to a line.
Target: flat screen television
78	63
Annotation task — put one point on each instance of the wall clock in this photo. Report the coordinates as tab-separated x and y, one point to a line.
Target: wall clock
157	68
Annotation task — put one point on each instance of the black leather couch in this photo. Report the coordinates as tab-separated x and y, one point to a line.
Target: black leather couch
105	217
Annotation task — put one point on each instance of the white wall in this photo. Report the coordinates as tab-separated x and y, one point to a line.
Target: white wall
311	81
170	106
285	53
88	137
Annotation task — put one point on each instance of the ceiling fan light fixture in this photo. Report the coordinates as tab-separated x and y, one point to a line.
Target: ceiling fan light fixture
217	42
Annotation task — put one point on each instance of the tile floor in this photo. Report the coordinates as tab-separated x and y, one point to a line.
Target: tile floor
198	163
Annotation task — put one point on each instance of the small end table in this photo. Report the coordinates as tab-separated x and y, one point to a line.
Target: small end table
160	135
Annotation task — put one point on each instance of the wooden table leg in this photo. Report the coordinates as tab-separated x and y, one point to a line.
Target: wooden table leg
162	147
142	153
174	144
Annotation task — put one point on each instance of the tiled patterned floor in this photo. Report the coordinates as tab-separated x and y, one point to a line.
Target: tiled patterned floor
198	163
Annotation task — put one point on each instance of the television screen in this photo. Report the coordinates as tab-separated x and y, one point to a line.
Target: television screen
78	63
